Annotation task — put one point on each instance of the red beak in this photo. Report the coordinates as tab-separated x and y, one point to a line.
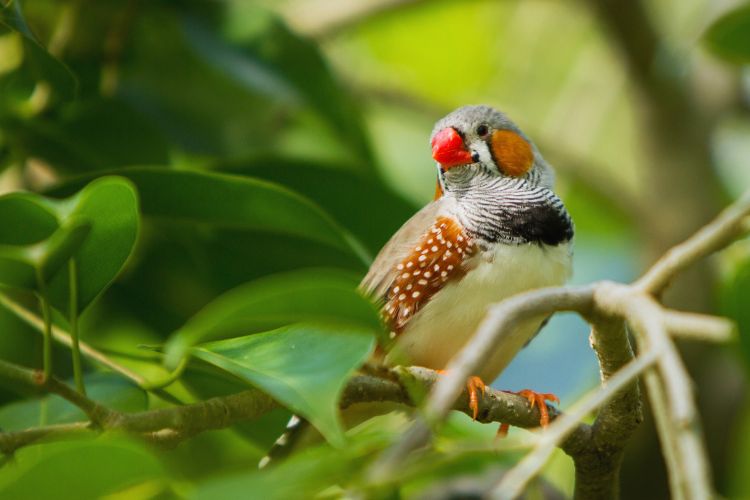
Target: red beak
448	148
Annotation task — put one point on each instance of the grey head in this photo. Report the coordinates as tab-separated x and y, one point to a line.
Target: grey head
479	140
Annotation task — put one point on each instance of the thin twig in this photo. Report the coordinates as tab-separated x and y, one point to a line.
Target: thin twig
716	235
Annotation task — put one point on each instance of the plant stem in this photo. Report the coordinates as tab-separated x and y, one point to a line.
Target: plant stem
47	318
76	349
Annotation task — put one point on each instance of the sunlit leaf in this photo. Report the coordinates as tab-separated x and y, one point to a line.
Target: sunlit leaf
264	304
729	36
304	366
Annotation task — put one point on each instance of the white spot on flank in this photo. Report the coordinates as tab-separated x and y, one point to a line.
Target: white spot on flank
443	274
409	286
415	295
402	296
434	248
429	242
427	274
422	258
404	276
417	272
450	267
400	267
422	282
436	268
409	264
396	289
418	249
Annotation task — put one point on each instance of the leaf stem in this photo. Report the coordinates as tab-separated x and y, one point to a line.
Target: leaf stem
47	319
76	348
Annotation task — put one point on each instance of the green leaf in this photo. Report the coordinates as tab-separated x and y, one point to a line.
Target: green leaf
26	219
108	389
21	266
267	303
729	36
88	136
234	202
363	204
110	204
84	469
312	470
97	227
303	366
734	304
38	65
266	40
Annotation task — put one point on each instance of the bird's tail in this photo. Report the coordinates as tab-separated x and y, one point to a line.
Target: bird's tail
284	445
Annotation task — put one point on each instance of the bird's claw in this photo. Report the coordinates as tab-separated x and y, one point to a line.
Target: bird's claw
540	399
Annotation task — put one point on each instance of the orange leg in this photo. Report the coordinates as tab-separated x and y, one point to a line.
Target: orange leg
535	399
473	386
539	399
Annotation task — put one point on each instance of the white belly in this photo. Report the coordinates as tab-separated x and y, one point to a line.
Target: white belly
442	327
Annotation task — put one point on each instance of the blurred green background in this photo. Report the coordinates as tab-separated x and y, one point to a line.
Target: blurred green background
199	103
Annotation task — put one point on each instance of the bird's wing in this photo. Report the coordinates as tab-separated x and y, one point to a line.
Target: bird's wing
381	273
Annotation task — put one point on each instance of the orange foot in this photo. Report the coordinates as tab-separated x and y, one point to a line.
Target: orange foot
535	398
473	386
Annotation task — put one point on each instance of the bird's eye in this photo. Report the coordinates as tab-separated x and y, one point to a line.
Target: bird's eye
482	130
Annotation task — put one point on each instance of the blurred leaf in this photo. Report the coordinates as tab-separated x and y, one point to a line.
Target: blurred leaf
196	104
108	389
308	472
363	204
38	65
301	296
300	62
735	304
729	36
304	366
83	469
110	204
89	136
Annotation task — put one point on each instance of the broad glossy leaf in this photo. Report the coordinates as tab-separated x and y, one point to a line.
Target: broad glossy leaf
267	303
109	389
729	37
25	219
86	468
110	204
304	366
362	203
234	202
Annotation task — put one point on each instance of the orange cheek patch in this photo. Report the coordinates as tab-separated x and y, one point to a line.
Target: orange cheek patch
512	153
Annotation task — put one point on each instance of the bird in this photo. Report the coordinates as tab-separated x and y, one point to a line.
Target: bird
495	229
